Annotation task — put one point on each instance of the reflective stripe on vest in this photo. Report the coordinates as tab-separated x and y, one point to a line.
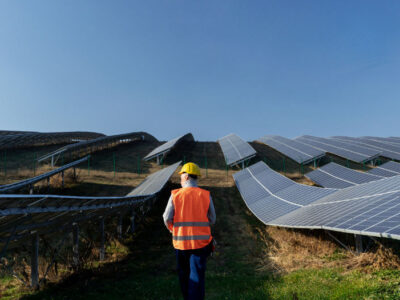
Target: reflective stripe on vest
191	228
191	237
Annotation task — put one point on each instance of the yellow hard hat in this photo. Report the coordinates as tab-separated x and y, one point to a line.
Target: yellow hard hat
190	168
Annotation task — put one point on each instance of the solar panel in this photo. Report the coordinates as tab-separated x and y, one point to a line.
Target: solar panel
387	169
270	195
295	150
371	208
350	151
99	143
21	213
235	149
386	140
155	182
23	183
336	176
166	147
10	139
387	150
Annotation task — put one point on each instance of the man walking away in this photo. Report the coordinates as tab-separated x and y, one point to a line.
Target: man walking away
188	215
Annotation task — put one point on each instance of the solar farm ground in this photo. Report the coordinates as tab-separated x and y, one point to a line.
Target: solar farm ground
252	261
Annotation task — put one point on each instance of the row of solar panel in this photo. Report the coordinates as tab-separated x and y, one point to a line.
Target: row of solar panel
333	175
19	214
371	208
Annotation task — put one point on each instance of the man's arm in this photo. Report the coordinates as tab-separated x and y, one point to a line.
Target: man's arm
211	212
168	215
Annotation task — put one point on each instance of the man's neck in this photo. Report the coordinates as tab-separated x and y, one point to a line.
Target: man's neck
190	183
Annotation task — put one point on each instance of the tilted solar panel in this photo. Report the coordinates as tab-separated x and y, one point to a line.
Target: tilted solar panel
387	169
333	175
166	147
269	194
387	150
296	151
21	213
23	183
371	208
235	149
350	151
154	182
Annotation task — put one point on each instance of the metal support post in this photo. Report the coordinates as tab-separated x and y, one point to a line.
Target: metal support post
242	165
102	248
74	173
31	189
315	163
133	221
75	246
48	183
158	160
62	179
35	261
359	245
119	227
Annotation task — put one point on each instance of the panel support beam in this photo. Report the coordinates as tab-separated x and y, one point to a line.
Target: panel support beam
358	242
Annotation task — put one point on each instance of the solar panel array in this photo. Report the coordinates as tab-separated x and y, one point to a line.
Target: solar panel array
30	181
235	149
99	143
9	140
19	214
168	146
299	152
340	148
389	150
371	208
387	169
336	176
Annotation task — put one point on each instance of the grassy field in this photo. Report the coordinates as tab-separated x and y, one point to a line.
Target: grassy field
252	261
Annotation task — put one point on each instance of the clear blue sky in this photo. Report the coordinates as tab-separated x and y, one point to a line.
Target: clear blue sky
207	67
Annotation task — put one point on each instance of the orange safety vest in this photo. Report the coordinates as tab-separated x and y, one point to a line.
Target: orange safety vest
191	228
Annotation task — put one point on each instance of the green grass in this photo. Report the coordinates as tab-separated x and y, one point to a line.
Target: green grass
335	284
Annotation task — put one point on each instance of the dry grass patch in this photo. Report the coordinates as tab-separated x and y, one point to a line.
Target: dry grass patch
290	250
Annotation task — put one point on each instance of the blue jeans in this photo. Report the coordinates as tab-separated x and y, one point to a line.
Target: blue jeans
191	271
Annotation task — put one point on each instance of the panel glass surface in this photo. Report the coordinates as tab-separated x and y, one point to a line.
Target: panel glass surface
296	151
235	149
